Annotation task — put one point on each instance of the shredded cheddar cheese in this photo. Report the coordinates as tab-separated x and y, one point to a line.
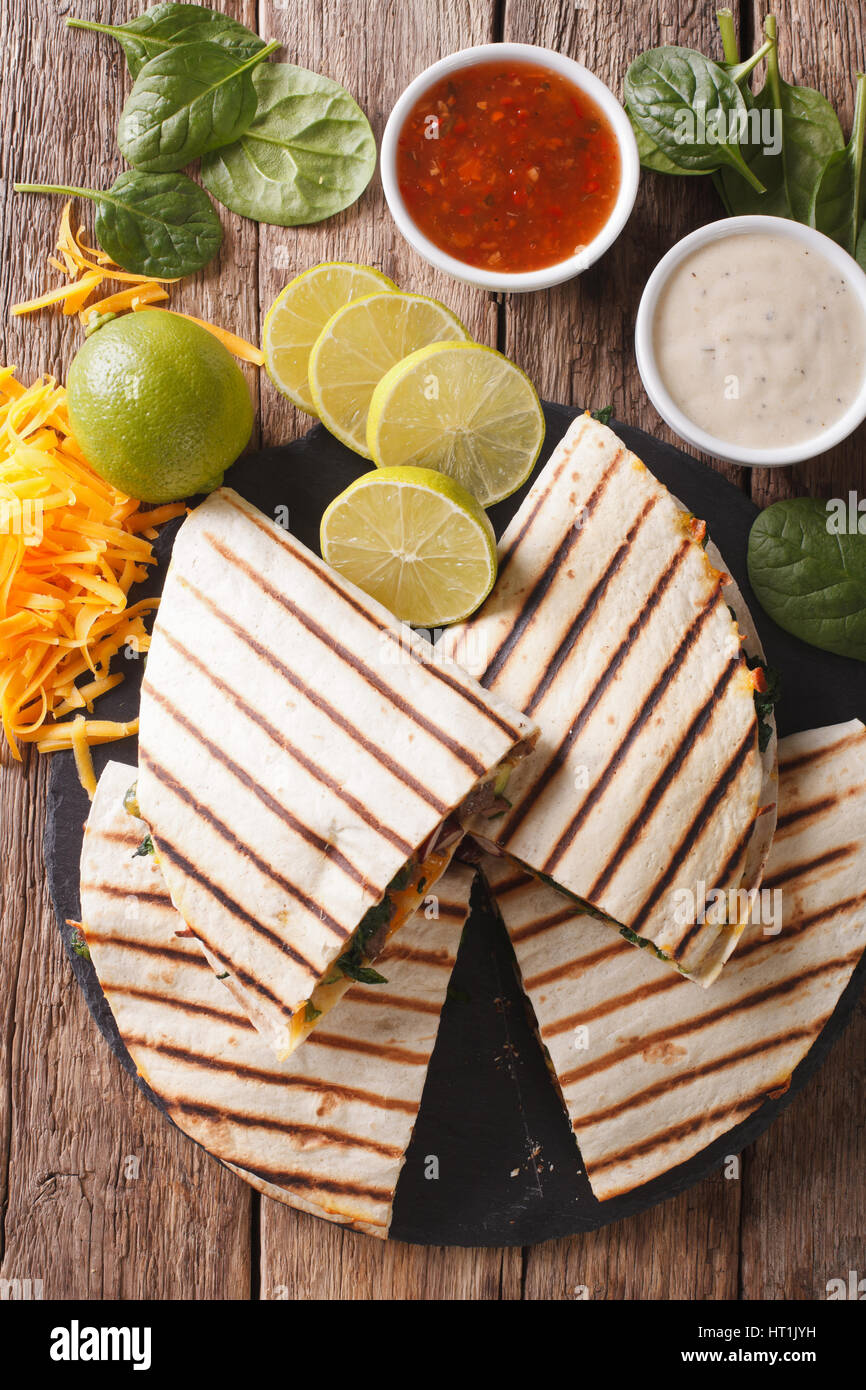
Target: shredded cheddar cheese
70	549
86	269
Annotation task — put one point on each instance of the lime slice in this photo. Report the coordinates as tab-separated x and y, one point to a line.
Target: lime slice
463	409
415	540
359	344
300	312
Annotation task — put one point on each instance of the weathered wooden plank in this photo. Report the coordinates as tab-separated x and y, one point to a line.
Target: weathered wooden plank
684	1249
804	1201
72	1212
577	343
373	48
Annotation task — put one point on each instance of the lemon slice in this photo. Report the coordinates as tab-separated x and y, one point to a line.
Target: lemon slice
415	540
300	312
359	344
463	409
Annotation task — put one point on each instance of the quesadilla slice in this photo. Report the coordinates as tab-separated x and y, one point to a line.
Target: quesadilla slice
610	626
325	1131
302	756
650	1069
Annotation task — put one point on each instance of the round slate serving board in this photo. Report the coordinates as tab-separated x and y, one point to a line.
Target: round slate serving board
509	1170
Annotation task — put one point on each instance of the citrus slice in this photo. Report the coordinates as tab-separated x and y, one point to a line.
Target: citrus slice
415	540
359	344
300	312
463	409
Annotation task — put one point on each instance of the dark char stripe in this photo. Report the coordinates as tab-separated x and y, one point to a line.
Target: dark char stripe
632	733
538	592
434	668
788	765
641	819
697	827
806	866
777	990
595	596
709	1068
670	980
726	1113
245	1072
797	927
287	674
285	746
733	859
508	552
150	948
223	898
309	1182
464	755
579	964
319	1038
311	1132
188	1006
323	847
157	898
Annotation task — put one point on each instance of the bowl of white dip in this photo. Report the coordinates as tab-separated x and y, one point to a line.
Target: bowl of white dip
751	341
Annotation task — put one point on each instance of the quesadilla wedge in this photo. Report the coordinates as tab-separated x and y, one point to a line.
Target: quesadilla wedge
650	1069
612	628
301	758
325	1131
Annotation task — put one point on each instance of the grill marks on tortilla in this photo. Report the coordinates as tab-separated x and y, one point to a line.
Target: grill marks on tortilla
464	755
207	814
698	825
284	745
440	672
671	1067
636	727
683	746
327	1128
324	706
540	589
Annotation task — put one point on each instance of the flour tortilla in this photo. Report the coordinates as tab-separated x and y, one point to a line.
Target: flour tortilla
325	1131
651	1069
610	626
297	747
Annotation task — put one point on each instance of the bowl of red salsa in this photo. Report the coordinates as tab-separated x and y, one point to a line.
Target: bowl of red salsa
509	166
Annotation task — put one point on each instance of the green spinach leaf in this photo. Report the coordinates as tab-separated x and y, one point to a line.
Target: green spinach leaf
690	108
164	27
810	133
185	103
809	580
308	154
838	207
150	224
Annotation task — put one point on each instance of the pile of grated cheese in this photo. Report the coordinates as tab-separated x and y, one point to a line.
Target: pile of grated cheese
86	269
71	547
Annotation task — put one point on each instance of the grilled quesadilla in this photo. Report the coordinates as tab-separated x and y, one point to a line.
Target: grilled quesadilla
612	628
651	1069
325	1131
301	758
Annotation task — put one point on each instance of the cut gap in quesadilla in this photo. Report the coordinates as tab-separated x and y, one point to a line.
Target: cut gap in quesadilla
302	758
652	1070
327	1130
618	631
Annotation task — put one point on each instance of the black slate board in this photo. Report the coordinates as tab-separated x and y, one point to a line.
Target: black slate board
509	1172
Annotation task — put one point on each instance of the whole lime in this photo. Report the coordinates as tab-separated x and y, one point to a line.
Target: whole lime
158	405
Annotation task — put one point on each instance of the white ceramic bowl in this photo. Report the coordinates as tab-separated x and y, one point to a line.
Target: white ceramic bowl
583	79
648	367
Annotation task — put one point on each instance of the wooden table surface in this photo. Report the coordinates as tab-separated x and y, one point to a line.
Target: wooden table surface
99	1196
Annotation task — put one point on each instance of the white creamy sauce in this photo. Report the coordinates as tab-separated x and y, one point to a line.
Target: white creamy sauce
760	341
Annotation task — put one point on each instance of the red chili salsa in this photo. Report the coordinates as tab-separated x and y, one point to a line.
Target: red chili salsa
508	166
